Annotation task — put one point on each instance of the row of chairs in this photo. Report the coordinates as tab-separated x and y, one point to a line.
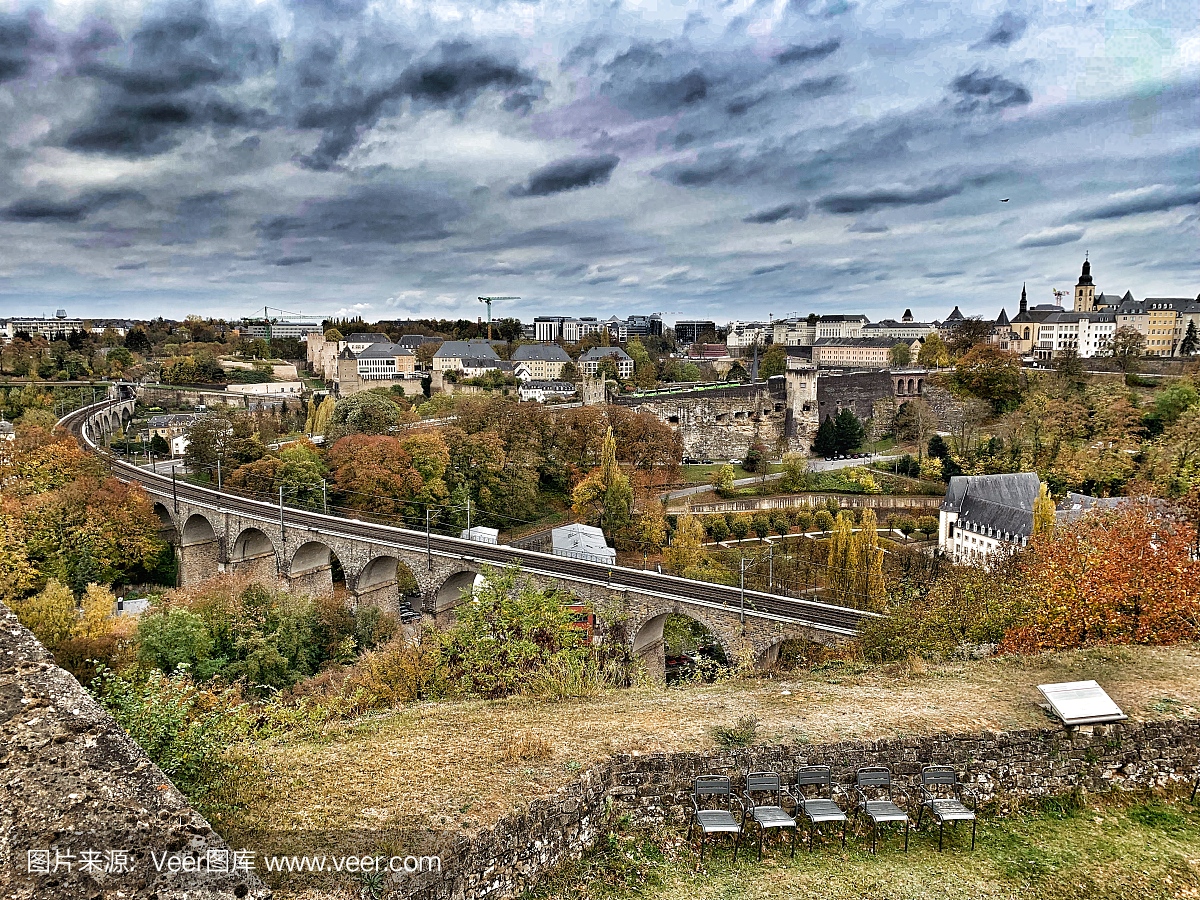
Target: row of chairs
768	803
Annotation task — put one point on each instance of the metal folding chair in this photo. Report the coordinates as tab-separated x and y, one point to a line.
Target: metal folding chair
876	782
942	796
710	789
822	808
764	796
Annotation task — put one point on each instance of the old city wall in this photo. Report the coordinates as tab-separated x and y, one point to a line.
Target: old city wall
1005	769
73	783
723	423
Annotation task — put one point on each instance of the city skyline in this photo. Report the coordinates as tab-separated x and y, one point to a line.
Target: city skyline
701	161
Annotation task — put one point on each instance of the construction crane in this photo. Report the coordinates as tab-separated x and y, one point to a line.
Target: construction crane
1058	295
488	301
269	321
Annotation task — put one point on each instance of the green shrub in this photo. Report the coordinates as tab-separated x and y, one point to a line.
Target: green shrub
192	734
740	734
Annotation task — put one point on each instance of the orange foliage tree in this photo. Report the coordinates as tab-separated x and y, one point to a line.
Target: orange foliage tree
1128	576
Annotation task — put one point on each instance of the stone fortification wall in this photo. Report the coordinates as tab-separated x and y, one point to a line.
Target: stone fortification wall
1005	769
83	810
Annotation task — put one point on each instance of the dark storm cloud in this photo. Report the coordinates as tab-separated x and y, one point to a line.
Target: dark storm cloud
1006	29
1159	199
981	90
458	71
888	198
650	80
797	211
20	38
371	214
567	175
345	99
806	53
76	209
175	73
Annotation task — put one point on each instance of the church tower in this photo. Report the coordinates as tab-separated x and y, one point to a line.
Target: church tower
1085	291
1024	300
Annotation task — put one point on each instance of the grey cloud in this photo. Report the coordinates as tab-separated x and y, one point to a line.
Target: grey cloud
1160	199
979	89
797	210
649	81
567	175
292	261
1051	237
19	40
44	209
1006	29
806	53
130	267
343	105
869	201
370	214
766	270
863	226
169	80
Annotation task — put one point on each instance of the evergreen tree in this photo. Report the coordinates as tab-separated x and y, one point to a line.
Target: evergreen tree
826	440
850	431
1191	340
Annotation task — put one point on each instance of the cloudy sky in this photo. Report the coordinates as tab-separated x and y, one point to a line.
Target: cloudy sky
725	160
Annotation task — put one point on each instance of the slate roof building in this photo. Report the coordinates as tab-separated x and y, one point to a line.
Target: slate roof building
464	355
360	341
982	513
542	362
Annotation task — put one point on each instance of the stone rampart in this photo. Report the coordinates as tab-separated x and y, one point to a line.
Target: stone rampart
1005	769
84	813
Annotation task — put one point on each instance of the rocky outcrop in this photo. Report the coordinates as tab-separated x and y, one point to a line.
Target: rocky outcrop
84	813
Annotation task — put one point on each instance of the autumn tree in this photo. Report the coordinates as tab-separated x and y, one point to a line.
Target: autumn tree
686	547
49	614
366	412
376	473
900	355
605	494
1126	347
869	590
773	362
990	374
1043	510
933	353
723	480
968	334
1126	576
226	436
840	566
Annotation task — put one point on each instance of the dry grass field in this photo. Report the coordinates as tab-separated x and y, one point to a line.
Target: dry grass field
460	765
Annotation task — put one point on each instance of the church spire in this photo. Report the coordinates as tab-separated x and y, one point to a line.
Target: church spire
1024	299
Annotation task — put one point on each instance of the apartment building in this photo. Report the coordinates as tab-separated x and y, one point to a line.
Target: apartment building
589	363
465	356
53	329
1087	333
874	353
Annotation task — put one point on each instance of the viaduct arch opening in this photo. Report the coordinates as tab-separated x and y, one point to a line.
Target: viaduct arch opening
253	554
387	581
674	646
450	594
199	549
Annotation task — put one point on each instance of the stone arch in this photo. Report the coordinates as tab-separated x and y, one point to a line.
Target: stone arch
386	580
449	594
920	385
912	385
253	553
197	530
648	644
199	549
899	385
313	570
166	528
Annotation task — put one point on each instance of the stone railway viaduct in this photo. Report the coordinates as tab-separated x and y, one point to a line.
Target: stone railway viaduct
216	532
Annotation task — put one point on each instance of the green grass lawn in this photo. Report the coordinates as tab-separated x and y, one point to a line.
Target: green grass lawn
703	474
1109	850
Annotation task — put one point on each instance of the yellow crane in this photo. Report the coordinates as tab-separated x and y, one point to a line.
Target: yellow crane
488	301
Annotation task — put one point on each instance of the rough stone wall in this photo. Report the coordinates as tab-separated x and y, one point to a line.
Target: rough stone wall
1005	769
857	390
73	783
723	423
947	409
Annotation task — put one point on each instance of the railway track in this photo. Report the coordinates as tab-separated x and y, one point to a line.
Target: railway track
821	616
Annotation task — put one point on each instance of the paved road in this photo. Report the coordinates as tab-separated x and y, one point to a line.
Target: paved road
816	465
